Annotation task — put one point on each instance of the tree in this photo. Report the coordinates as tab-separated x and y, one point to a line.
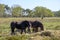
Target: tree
57	13
16	11
28	11
7	11
2	10
42	12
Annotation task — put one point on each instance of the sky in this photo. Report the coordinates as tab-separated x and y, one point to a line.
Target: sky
53	5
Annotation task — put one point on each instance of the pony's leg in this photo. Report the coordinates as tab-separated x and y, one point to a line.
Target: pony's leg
33	29
21	31
36	29
24	30
29	30
12	31
42	28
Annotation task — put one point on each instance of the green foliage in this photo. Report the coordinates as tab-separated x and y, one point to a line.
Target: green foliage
41	12
57	13
2	10
16	11
7	7
27	12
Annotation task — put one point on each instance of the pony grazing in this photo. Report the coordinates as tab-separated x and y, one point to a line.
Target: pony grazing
21	26
35	25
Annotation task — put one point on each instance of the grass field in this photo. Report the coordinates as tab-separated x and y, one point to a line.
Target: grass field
50	24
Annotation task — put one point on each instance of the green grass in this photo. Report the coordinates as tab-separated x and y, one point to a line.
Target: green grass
52	24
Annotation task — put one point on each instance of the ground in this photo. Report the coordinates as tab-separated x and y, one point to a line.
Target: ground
50	24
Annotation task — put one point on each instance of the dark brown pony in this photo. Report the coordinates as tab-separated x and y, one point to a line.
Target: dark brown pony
21	26
35	25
